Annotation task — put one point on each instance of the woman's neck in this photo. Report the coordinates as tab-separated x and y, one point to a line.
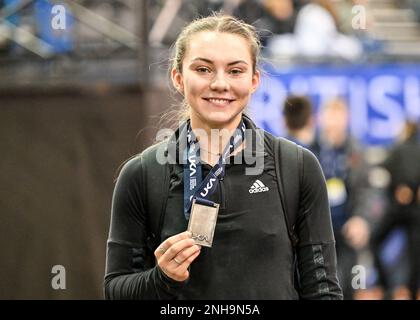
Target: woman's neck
213	138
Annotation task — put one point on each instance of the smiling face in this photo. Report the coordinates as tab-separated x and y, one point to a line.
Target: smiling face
217	79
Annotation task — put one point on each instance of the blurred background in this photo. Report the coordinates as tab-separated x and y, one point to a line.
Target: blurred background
84	83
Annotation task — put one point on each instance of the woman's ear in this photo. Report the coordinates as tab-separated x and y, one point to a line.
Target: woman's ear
255	81
177	80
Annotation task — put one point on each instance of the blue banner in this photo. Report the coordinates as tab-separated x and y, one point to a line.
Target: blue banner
380	97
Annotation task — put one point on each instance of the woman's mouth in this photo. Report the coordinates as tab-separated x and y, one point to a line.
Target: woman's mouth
220	102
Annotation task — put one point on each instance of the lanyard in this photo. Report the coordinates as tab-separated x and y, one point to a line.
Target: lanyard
194	186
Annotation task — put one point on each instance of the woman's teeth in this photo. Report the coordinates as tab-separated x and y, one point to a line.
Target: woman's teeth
219	101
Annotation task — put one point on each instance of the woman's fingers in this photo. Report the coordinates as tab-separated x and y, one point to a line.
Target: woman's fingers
177	249
176	268
187	262
164	246
175	255
185	254
182	272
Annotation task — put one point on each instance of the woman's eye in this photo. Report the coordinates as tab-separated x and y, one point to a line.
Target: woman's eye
203	69
235	71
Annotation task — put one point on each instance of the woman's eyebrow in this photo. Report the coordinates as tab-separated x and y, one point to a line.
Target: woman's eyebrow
212	62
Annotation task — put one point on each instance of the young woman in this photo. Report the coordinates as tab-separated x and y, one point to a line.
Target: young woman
245	252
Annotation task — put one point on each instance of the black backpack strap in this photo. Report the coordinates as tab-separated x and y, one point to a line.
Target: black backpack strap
156	190
288	158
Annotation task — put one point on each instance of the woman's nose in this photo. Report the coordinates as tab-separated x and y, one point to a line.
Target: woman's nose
219	83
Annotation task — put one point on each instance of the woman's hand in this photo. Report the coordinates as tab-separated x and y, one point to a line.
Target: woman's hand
175	255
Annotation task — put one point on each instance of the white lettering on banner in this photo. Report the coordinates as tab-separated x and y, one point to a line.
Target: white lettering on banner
412	97
391	121
328	87
266	104
359	108
379	103
208	187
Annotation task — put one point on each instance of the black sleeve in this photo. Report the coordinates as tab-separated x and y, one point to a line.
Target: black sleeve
131	272
317	263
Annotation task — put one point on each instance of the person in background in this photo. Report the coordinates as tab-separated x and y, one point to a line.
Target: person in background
299	120
316	36
270	17
404	207
342	163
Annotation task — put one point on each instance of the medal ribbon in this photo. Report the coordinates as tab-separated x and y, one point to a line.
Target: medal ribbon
194	186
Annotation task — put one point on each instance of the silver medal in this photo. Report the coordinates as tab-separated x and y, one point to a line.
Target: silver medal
202	223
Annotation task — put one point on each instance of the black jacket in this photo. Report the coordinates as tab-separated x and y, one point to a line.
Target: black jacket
252	256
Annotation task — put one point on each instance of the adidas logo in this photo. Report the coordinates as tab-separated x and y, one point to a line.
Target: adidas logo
258	186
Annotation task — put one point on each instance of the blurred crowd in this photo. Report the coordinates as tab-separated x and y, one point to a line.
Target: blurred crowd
311	29
374	196
308	29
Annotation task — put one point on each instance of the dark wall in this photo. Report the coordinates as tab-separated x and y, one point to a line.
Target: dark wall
59	155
